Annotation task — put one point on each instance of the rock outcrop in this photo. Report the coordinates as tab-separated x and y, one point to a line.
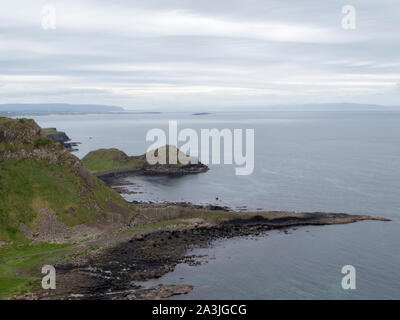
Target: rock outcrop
60	137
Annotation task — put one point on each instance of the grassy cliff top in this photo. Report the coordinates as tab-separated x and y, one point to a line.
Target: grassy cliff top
39	177
21	133
111	159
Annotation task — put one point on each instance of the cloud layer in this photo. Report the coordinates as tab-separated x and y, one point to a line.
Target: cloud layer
187	54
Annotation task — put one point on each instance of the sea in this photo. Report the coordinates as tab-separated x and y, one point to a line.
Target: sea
344	161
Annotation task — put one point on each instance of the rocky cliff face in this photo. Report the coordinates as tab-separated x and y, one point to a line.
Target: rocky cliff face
60	137
21	130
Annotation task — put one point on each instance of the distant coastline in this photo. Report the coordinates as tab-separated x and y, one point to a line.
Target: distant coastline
40	109
32	108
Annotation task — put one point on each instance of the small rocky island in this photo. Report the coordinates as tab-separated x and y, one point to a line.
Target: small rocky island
111	164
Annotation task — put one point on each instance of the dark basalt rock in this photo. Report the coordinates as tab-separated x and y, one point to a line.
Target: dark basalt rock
60	137
174	170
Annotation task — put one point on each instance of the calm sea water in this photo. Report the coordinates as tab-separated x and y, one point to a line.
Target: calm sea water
344	161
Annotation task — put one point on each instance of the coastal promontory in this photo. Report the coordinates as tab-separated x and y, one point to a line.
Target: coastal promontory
108	163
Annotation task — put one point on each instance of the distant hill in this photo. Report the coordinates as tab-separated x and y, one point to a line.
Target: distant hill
325	107
56	108
343	106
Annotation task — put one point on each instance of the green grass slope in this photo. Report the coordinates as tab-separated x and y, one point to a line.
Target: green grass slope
35	171
27	183
111	159
104	160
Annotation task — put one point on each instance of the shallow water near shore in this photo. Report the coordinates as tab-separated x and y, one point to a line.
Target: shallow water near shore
344	161
303	264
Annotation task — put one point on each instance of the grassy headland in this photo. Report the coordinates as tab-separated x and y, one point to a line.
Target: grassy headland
106	162
103	160
46	196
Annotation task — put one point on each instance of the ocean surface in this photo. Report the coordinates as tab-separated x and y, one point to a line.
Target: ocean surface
332	161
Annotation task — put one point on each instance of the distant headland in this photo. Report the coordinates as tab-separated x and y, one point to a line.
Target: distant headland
55	108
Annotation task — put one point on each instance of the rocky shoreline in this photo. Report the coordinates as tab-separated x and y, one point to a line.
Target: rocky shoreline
112	177
147	253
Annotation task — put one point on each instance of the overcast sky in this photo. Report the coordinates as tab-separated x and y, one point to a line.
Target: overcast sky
178	54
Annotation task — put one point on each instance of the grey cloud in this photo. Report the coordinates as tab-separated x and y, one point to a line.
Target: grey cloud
121	60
